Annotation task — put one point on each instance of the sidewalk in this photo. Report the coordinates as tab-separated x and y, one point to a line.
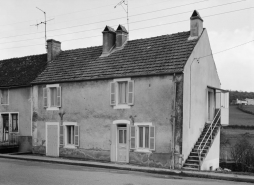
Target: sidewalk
199	174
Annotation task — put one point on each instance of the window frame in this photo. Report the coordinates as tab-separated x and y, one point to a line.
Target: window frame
10	121
66	145
139	149
117	104
49	107
8	97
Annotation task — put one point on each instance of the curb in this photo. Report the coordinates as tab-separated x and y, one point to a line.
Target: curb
158	171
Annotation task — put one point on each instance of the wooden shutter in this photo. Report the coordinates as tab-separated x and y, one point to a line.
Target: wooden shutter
132	137
152	138
45	97
113	143
76	135
58	94
112	93
10	122
61	136
1	95
131	92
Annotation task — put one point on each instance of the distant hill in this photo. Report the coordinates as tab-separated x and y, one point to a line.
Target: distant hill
233	95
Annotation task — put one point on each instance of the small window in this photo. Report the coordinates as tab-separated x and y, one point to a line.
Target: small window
52	97
142	137
14	120
4	96
70	135
122	93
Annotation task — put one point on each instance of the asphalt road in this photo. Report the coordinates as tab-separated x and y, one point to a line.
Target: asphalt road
26	172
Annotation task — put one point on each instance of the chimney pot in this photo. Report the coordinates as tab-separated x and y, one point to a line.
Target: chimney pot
53	49
109	40
121	36
196	25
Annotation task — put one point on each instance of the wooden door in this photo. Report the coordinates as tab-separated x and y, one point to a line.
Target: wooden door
224	108
122	147
5	127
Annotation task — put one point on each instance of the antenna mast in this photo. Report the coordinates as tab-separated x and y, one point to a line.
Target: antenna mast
45	23
125	2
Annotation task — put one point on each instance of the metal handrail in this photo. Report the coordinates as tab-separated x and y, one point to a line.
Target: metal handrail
200	149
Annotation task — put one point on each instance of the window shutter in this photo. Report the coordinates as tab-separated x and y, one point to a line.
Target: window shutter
112	93
152	138
1	95
76	135
133	137
61	135
45	97
59	93
131	92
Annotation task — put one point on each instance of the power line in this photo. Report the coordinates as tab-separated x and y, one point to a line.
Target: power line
148	26
124	17
105	20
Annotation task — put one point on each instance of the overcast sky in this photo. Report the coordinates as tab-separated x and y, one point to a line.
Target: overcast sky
79	23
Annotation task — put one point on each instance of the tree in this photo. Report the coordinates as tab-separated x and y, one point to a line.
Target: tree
243	154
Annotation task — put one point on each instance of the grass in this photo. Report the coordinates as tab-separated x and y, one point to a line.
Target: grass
249	108
238	117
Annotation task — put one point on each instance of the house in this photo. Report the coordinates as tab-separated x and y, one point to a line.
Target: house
16	75
241	102
249	101
154	102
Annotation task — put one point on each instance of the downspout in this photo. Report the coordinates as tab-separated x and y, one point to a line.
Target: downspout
173	127
32	111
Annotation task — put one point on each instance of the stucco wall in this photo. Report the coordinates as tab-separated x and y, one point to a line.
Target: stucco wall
198	74
19	101
88	104
213	157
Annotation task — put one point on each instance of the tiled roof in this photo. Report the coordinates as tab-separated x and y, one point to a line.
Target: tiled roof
156	55
21	71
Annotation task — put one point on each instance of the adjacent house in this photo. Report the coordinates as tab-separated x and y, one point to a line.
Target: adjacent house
153	102
16	75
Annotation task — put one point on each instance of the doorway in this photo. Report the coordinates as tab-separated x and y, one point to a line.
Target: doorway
122	147
210	105
52	139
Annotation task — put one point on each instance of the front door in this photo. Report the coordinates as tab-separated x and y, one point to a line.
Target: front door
52	139
122	144
5	127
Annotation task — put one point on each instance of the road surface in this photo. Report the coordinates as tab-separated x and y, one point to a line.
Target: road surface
18	172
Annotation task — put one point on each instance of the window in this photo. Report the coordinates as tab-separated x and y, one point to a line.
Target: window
14	120
52	97
142	137
122	93
4	96
69	135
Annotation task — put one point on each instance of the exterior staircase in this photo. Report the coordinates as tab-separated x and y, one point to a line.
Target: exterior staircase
203	144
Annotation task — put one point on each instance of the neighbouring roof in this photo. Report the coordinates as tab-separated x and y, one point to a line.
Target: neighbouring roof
22	71
151	56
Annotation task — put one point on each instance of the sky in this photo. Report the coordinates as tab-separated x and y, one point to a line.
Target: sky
79	24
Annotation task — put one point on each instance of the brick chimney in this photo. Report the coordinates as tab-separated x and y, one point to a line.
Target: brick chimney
109	40
53	48
196	25
121	36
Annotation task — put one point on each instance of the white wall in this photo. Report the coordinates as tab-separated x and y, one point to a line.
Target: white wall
198	74
213	156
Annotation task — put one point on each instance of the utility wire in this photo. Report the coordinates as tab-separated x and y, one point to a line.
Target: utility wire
147	27
119	18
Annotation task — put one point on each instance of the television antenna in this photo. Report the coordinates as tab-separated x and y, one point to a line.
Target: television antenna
125	2
45	23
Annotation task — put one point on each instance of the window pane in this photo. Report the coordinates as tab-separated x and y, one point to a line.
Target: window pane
124	137
120	136
141	137
122	92
70	135
146	137
53	97
14	122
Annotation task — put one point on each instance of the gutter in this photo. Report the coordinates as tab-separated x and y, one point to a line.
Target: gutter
105	78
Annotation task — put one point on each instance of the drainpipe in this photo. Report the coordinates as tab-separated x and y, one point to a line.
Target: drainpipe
173	127
32	111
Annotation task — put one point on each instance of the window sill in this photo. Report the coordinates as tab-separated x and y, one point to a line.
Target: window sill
70	146
142	150
4	104
123	106
52	108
